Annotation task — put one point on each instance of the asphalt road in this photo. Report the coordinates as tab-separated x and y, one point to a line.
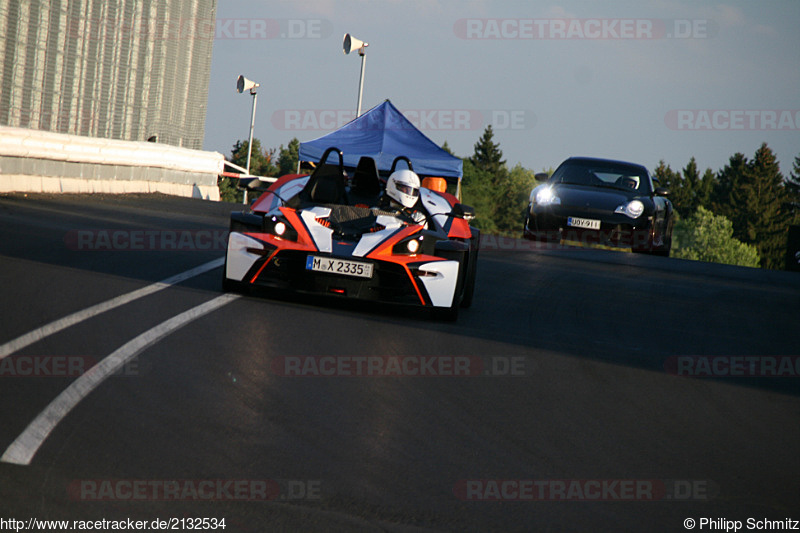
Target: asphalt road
571	417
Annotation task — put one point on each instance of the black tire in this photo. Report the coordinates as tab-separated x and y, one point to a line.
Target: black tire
469	283
445	314
227	284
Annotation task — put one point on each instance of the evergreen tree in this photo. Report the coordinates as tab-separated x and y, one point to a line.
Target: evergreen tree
488	156
691	182
446	148
669	179
288	157
260	165
697	190
727	180
706	188
261	161
793	190
753	196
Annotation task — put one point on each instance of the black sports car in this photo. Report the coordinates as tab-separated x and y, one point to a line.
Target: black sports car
601	202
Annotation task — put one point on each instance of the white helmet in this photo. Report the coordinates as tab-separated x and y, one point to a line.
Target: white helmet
403	187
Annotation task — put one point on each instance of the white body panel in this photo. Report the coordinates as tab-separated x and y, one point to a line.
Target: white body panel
442	286
239	260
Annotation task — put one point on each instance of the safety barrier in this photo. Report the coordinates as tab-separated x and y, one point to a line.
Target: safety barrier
41	161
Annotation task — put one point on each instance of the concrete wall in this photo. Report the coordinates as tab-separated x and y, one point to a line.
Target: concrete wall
38	161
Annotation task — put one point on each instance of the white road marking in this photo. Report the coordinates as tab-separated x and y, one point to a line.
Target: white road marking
23	449
70	320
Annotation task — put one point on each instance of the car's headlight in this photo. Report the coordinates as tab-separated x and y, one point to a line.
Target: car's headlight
279	227
633	209
411	245
547	196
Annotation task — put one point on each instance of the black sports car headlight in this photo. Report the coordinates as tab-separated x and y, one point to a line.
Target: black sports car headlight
632	209
280	227
546	196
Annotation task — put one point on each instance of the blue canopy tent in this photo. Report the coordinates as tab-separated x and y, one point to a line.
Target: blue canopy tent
383	133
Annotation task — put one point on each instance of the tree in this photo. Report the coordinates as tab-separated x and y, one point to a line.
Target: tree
488	156
706	188
288	157
261	161
727	180
511	199
687	189
260	165
669	179
477	190
705	236
793	190
754	197
697	190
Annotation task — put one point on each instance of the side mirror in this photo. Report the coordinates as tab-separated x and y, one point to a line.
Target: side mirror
662	191
541	176
259	184
463	211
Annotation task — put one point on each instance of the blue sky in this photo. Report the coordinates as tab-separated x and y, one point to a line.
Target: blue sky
639	80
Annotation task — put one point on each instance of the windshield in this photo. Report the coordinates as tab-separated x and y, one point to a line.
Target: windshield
629	178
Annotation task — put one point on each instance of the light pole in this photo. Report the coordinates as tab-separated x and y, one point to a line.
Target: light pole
242	84
351	43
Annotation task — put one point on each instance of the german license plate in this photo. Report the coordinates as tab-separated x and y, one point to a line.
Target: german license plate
344	267
586	223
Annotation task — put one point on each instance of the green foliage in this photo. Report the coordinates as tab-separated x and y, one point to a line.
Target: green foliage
705	236
488	155
754	197
228	191
793	190
511	199
262	163
289	157
498	196
477	191
687	190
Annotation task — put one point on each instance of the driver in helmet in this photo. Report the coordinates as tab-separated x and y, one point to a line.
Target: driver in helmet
402	195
